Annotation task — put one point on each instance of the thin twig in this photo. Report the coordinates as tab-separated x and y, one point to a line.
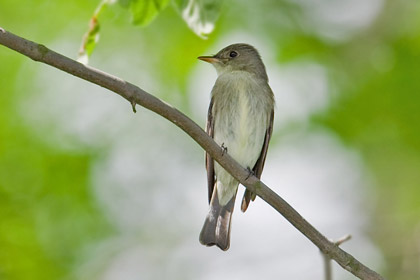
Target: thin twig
342	239
133	93
327	267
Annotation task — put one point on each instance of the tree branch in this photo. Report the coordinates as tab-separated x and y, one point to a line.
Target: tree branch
136	95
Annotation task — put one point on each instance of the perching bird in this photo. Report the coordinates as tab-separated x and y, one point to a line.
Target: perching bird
240	120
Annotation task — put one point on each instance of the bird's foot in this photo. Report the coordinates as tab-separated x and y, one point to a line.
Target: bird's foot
250	173
224	149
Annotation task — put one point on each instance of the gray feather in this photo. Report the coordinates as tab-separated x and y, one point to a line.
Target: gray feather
216	229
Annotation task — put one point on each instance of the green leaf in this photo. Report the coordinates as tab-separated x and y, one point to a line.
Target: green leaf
91	37
89	41
144	11
200	15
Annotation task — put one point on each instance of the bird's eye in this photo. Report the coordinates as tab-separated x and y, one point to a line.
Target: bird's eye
233	54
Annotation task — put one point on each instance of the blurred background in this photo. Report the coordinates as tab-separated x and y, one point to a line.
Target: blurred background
89	190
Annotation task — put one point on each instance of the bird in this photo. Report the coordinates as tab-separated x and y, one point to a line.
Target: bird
240	120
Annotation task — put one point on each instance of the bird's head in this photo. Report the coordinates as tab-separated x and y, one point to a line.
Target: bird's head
237	57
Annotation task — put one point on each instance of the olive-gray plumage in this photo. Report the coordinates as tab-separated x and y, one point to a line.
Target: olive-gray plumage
240	120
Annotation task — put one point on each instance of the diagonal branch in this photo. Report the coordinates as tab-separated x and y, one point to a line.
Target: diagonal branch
136	95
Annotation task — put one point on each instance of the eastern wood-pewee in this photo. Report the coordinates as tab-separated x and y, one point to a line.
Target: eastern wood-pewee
240	120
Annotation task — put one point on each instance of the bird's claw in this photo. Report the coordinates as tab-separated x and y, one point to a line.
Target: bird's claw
224	149
250	173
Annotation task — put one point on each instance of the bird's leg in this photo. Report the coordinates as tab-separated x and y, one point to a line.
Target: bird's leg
250	173
224	149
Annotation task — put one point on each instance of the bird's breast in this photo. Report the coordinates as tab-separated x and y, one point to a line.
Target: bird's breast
241	109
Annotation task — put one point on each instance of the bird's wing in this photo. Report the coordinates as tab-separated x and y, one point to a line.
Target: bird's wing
259	165
209	160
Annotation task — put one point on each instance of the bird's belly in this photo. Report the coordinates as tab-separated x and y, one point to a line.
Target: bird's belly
241	130
243	143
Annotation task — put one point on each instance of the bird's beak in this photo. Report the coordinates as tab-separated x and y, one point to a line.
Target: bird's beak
209	59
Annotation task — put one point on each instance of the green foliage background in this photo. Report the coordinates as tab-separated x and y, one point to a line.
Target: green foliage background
45	189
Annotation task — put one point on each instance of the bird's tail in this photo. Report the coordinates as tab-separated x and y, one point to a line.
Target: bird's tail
216	229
